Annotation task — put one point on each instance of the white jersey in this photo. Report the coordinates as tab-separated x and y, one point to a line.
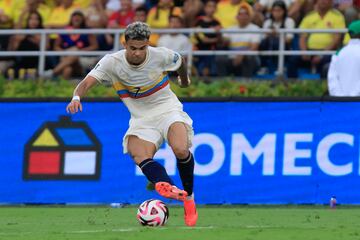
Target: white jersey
145	88
344	71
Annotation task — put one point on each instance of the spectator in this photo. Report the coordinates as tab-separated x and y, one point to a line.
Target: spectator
50	3
348	8
262	10
227	11
300	8
138	3
6	22
141	16
266	5
191	9
115	5
28	42
158	16
325	17
123	17
175	41
25	7
344	72
82	4
278	19
354	8
357	6
206	64
96	17
242	65
71	66
112	6
60	15
95	14
58	19
6	12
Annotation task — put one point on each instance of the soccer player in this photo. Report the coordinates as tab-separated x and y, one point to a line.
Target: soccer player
139	75
344	70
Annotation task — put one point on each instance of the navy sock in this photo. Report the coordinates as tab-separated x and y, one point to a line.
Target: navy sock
154	171
186	170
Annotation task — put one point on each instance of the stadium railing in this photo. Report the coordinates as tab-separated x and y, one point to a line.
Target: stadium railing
281	53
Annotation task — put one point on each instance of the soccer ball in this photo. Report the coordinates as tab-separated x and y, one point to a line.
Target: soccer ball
153	213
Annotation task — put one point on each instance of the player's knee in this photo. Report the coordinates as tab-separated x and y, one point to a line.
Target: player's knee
181	152
138	158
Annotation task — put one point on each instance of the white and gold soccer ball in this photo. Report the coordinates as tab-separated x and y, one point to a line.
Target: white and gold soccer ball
153	213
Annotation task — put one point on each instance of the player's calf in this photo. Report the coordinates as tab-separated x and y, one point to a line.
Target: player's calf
154	171
157	174
186	171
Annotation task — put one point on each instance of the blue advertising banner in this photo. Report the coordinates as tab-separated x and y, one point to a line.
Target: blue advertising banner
246	152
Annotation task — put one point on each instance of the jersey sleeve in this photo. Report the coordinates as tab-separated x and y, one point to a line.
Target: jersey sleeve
305	23
172	60
102	70
333	78
256	37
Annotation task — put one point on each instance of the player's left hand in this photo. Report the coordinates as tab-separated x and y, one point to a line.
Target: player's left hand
74	106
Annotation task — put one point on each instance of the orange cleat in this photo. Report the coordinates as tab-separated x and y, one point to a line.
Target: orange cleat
190	213
167	190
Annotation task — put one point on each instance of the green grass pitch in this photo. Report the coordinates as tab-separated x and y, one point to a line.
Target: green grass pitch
220	223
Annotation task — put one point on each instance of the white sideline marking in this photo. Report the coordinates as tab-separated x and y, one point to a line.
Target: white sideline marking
86	231
104	230
134	229
126	230
257	226
189	228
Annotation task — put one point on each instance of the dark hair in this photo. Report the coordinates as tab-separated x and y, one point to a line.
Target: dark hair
137	31
81	14
354	35
215	1
38	15
282	5
141	8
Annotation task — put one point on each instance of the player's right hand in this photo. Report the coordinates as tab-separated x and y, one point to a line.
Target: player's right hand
74	106
182	83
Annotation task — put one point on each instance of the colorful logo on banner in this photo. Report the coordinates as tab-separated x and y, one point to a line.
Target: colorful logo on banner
63	150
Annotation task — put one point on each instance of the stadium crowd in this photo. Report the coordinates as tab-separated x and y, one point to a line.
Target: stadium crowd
223	14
